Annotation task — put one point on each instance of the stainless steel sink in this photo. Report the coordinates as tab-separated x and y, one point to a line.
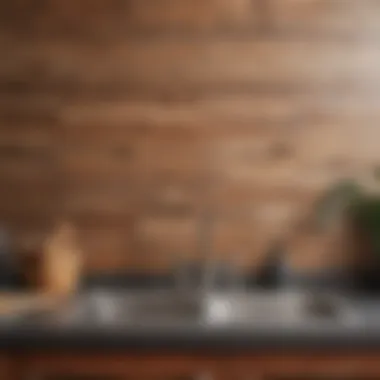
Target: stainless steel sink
271	308
212	309
138	308
256	308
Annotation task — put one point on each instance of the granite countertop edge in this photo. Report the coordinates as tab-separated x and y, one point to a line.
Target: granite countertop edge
218	340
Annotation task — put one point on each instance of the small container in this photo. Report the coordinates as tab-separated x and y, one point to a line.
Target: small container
61	264
274	272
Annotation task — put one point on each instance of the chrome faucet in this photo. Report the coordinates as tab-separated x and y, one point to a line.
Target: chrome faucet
205	247
204	274
208	266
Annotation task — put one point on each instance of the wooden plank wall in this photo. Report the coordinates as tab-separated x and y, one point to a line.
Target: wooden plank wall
130	117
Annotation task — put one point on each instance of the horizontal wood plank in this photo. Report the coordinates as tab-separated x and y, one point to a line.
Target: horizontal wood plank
106	201
207	114
190	14
199	63
354	18
106	248
162	240
86	165
25	136
102	19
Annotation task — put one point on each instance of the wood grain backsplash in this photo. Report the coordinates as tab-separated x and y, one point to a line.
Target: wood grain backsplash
133	117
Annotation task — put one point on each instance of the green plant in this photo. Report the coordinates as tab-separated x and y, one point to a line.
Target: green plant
349	198
330	206
366	215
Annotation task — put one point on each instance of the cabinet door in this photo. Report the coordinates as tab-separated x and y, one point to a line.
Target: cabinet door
72	376
5	368
67	376
113	368
322	377
328	375
363	366
305	376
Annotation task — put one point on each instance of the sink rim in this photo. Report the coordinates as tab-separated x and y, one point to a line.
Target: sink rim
284	308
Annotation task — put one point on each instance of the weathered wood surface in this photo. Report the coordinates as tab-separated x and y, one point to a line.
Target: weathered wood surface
130	116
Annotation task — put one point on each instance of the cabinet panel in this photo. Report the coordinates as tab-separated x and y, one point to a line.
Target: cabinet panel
69	377
112	370
73	376
5	368
304	376
320	377
129	375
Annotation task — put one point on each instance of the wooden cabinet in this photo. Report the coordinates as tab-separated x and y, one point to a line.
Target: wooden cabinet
72	375
297	366
196	367
63	376
319	377
5	367
116	367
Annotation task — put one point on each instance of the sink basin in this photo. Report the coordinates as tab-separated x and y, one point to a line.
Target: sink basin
142	308
209	309
251	308
282	308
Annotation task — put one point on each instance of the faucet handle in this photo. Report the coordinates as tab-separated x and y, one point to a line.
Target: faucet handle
223	274
194	275
188	275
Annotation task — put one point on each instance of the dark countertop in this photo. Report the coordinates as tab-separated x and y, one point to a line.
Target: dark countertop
91	334
186	339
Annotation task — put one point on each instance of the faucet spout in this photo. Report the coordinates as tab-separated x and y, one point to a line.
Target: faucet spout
205	246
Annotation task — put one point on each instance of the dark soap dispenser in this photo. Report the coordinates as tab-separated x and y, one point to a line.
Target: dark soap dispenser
271	273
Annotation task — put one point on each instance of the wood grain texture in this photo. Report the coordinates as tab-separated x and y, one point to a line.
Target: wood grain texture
195	63
352	18
131	117
104	19
296	365
6	367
